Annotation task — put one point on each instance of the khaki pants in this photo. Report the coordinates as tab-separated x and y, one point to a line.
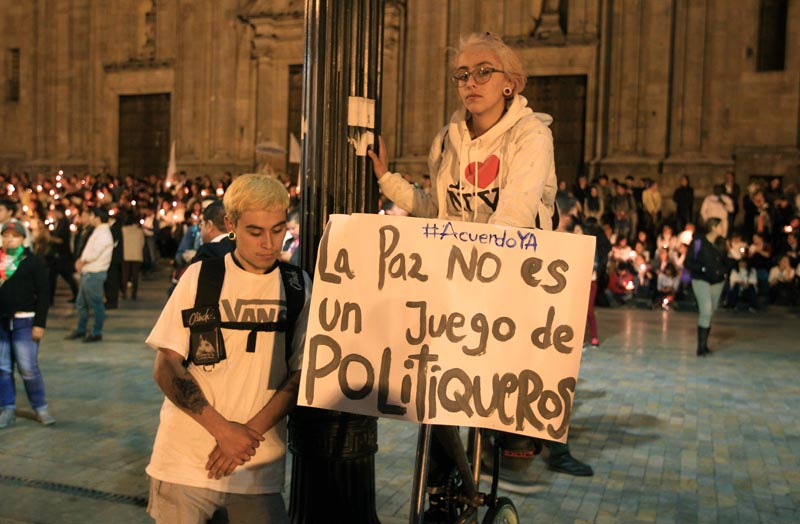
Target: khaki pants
178	504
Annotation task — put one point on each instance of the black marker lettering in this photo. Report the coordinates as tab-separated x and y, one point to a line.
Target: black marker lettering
314	371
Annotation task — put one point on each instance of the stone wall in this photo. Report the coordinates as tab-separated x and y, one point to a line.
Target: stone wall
671	85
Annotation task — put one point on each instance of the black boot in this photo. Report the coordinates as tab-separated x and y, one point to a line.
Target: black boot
702	339
561	460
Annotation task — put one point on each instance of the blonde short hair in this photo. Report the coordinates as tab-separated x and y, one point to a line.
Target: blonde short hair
508	60
254	192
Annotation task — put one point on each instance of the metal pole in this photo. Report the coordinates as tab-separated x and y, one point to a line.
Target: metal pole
420	480
333	464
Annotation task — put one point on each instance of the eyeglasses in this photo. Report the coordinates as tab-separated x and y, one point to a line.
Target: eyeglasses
481	75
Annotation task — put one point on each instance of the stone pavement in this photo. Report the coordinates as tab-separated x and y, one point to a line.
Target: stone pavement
672	438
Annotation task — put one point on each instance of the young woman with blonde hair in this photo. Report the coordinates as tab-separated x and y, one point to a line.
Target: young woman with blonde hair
493	163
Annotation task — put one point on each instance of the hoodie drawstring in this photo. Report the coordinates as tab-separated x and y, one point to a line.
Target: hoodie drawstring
475	185
461	181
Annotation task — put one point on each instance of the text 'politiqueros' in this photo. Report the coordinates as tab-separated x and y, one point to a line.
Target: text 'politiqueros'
444	322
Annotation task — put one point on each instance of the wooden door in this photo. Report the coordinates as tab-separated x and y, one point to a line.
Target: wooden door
563	98
144	134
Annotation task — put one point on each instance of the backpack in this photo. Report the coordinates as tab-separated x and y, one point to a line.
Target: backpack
204	319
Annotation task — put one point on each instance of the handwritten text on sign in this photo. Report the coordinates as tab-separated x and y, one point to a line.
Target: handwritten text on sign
448	323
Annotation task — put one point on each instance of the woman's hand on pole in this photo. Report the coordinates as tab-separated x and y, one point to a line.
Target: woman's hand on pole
380	161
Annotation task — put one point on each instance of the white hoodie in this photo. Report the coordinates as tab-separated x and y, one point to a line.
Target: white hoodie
513	161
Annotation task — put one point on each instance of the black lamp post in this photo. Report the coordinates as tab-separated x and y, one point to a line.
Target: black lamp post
333	468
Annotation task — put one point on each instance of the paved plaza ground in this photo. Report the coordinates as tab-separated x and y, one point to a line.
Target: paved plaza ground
672	438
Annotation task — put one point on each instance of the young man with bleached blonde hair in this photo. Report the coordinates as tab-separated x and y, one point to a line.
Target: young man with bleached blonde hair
221	442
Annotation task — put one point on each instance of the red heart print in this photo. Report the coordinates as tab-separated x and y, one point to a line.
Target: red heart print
487	171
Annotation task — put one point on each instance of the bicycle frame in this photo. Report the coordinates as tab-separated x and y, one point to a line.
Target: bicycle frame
469	493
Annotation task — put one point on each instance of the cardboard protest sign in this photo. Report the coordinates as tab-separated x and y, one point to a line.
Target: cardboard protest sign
444	322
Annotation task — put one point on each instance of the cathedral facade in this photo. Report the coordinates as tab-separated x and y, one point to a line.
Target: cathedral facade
648	88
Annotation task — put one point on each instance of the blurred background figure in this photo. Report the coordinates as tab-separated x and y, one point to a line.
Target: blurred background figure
133	245
24	300
291	246
60	262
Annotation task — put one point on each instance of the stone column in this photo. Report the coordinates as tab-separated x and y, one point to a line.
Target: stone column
333	468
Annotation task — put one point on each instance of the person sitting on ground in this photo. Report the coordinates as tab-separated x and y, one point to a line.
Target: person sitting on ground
791	248
743	283
620	283
759	254
782	289
646	278
667	284
666	241
622	252
593	206
737	247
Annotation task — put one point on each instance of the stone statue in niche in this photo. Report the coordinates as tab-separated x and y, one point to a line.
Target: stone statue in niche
146	29
547	22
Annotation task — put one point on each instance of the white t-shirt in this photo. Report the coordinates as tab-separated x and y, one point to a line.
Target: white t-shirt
237	387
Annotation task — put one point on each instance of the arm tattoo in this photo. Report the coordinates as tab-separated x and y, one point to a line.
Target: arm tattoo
189	395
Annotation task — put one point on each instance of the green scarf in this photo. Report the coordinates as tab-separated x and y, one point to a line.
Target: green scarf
10	262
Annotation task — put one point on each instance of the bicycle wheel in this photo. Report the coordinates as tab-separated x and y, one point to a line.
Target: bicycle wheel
503	512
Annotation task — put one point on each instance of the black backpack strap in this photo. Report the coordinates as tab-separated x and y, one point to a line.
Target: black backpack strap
209	283
204	318
294	287
209	287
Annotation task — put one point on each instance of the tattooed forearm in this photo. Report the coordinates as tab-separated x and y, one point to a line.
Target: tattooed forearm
188	395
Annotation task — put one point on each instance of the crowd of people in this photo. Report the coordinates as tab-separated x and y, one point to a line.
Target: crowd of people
649	246
151	219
